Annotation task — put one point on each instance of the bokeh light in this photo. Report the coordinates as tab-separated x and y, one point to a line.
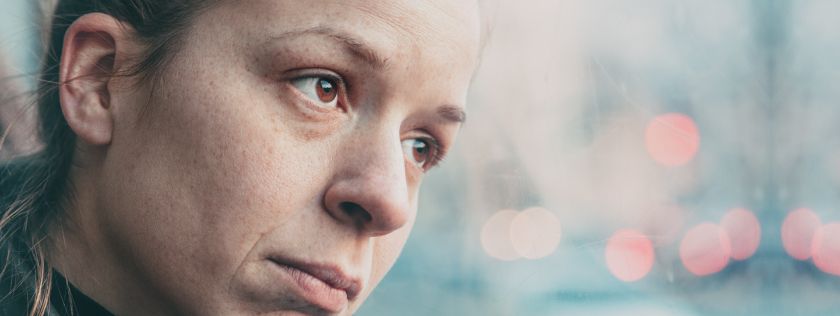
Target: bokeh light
705	249
495	236
629	255
826	248
672	139
535	233
744	232
798	231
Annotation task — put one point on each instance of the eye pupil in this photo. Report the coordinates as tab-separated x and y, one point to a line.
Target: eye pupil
326	90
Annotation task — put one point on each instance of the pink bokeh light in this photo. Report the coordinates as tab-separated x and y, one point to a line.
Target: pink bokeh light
744	232
629	255
798	230
825	248
672	139
705	249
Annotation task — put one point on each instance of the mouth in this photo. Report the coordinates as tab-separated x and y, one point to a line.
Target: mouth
323	285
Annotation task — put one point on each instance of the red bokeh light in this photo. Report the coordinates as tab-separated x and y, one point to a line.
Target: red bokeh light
705	249
826	248
798	231
744	232
629	255
672	139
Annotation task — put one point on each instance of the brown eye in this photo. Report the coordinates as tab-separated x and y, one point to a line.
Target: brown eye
420	152
320	90
326	90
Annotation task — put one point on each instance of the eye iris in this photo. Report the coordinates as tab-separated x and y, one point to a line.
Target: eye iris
421	152
326	90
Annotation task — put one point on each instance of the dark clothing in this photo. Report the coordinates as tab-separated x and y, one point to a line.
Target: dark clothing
65	300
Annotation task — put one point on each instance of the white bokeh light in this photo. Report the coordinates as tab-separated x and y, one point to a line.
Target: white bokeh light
495	236
535	233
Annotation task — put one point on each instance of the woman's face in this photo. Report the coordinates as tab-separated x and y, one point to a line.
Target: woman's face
284	136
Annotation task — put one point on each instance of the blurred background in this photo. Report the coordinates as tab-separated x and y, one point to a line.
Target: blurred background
650	157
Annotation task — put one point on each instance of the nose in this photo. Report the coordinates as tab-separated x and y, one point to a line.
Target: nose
369	190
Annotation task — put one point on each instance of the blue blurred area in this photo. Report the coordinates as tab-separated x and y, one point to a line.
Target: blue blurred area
557	120
19	36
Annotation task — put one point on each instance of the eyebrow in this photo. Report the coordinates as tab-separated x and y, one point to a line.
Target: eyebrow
452	113
357	46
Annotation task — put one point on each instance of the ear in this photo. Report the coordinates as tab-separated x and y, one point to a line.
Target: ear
88	61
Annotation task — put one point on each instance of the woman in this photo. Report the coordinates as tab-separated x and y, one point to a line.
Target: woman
231	157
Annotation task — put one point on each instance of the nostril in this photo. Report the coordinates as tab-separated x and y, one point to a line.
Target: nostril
356	212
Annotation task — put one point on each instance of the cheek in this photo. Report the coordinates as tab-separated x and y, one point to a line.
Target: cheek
193	186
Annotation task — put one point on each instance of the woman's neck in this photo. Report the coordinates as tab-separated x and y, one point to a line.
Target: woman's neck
78	249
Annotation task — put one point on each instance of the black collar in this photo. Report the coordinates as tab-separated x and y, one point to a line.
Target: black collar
67	300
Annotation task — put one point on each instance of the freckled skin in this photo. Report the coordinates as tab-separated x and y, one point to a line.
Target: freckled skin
228	164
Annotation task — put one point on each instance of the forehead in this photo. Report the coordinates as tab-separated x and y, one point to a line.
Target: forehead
445	29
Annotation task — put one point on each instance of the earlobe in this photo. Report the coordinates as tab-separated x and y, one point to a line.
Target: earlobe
87	64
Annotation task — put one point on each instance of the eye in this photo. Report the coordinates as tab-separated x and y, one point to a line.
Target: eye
323	91
422	152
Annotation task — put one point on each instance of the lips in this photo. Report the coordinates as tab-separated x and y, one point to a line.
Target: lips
324	285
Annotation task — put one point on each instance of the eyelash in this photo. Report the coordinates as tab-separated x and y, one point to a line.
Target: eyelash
439	152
